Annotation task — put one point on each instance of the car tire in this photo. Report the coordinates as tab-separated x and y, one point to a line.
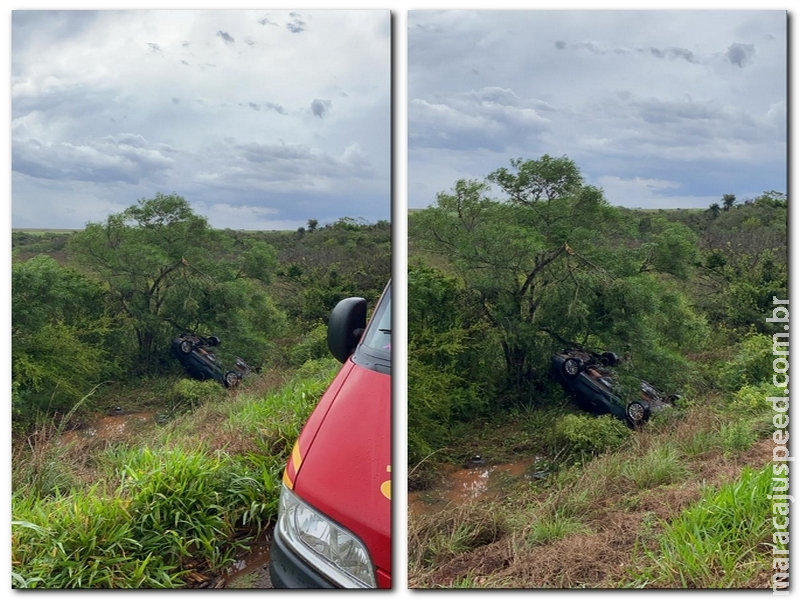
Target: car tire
213	340
610	359
231	379
637	413
186	347
572	367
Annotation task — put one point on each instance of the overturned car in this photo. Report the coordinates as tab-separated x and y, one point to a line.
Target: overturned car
196	354
586	377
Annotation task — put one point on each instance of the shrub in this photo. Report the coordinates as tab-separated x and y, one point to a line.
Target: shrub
312	346
751	365
737	436
751	398
593	435
194	393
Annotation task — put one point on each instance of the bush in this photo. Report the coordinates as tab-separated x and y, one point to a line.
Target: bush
313	346
753	398
751	365
592	435
194	393
737	436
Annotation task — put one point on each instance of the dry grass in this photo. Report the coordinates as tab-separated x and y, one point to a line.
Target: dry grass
602	518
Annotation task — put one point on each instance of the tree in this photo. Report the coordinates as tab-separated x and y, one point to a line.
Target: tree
312	225
58	332
167	270
552	262
728	200
745	263
451	368
714	210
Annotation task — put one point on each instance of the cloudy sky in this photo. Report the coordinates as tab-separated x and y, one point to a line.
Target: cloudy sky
261	119
660	109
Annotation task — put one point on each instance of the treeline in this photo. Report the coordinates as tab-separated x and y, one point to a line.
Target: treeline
103	303
498	283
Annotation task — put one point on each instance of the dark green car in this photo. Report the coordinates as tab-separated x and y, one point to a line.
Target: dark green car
196	354
587	377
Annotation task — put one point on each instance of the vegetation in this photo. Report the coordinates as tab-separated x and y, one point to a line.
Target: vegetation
175	500
103	303
622	517
497	284
165	509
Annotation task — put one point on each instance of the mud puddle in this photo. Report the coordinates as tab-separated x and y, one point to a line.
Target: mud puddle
479	482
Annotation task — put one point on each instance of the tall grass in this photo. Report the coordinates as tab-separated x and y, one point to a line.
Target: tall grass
86	540
191	497
718	542
434	539
660	466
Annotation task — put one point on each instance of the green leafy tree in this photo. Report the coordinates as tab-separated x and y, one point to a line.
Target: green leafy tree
728	200
167	270
59	327
554	264
452	372
744	263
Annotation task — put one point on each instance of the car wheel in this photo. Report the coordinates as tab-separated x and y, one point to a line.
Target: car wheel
231	379
186	347
213	340
637	413
609	358
572	367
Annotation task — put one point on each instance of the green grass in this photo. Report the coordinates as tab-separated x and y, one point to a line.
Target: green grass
718	542
553	528
660	466
437	538
189	496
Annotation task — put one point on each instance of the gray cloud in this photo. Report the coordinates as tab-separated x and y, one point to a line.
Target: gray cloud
300	164
740	55
276	107
126	158
227	38
297	24
492	118
641	100
320	107
268	106
670	53
239	141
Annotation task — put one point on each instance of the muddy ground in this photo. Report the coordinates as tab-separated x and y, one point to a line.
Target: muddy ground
600	557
